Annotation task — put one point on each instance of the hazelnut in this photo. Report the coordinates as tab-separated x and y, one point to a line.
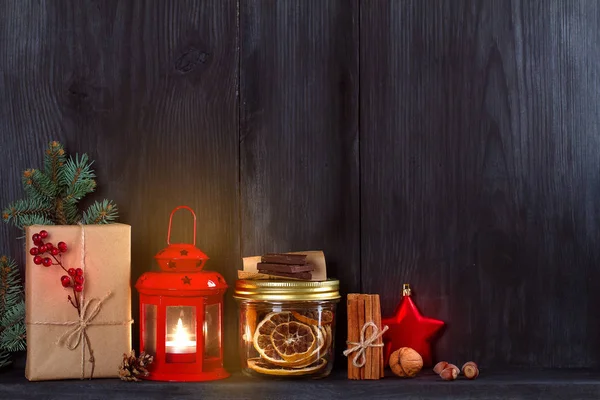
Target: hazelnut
470	370
439	367
406	362
455	367
449	373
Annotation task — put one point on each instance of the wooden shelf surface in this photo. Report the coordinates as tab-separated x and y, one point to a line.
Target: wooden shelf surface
497	384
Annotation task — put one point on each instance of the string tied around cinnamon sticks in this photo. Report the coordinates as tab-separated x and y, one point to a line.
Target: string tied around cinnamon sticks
361	347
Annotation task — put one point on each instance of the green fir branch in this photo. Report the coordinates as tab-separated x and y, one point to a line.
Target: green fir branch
77	177
20	211
71	212
12	336
101	213
34	219
52	195
59	212
12	310
13	315
11	290
38	185
54	159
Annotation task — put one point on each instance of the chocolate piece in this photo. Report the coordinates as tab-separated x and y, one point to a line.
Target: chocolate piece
277	258
290	269
259	276
299	275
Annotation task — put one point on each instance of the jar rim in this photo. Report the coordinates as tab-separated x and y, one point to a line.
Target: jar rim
286	290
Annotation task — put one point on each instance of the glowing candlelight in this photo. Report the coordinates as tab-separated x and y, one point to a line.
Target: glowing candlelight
181	343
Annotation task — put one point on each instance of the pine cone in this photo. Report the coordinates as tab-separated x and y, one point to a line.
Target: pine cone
132	367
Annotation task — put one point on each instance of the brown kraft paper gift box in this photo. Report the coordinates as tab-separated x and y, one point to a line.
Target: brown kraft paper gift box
51	319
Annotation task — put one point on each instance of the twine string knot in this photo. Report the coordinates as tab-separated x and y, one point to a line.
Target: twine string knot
73	337
360	348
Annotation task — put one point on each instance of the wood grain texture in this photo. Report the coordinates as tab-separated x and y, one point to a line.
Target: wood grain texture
528	384
299	133
450	144
480	173
148	90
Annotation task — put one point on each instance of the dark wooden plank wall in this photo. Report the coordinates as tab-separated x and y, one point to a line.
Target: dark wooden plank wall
480	172
449	144
299	133
148	89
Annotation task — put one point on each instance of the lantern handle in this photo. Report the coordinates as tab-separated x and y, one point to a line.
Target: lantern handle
171	220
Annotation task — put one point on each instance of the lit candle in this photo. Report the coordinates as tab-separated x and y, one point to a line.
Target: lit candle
181	343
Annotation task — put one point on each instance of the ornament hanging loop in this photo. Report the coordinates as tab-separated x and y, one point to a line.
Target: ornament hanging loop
406	291
171	221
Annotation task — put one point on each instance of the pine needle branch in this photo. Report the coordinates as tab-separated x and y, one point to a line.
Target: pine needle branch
25	210
52	195
54	159
77	177
12	336
101	213
12	310
37	184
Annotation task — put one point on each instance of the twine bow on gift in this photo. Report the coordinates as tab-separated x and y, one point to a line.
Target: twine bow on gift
361	347
77	335
73	337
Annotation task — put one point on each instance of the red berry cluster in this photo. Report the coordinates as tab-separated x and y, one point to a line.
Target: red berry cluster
76	282
37	252
74	279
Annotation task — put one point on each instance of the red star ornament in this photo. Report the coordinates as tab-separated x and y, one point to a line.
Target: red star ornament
408	328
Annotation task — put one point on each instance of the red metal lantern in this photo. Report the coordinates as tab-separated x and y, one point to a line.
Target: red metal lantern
181	314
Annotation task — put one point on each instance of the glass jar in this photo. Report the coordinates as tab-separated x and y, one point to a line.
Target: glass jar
287	328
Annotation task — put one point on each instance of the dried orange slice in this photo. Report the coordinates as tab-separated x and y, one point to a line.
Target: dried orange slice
293	341
304	362
317	353
262	336
325	317
263	367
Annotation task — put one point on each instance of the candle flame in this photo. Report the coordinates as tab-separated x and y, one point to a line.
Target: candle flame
181	334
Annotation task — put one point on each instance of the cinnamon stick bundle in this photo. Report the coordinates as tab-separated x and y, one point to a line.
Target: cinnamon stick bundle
378	366
368	372
361	323
362	309
353	333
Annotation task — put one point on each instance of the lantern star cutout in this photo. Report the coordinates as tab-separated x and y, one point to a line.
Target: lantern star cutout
186	280
408	328
183	252
171	264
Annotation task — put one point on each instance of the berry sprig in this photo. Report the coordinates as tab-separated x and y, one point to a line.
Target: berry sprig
74	278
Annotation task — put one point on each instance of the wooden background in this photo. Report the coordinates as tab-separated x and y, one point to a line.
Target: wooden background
450	144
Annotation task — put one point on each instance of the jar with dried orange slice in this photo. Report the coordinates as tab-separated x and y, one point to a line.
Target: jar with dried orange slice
287	328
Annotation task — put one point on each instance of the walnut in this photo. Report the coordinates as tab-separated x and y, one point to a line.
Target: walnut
406	362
